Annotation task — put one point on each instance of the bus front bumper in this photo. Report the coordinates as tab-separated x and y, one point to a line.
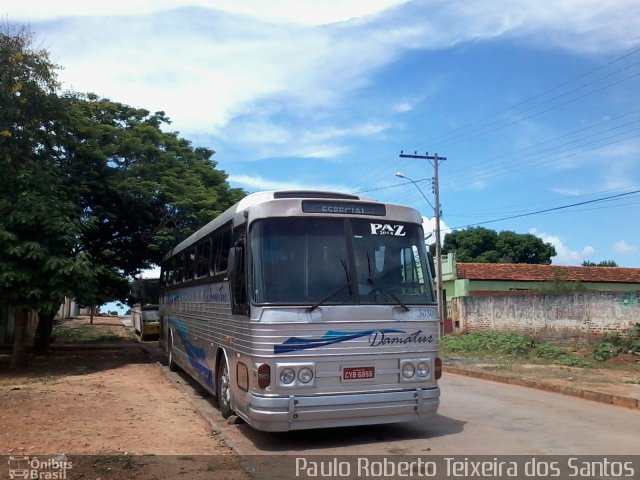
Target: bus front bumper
298	412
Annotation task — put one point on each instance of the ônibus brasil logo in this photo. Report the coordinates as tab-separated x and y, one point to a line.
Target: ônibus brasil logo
53	468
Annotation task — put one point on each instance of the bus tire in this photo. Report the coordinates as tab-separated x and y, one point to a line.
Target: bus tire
173	366
224	390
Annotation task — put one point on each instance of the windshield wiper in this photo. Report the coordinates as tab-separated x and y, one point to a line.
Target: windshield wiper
328	297
334	292
385	293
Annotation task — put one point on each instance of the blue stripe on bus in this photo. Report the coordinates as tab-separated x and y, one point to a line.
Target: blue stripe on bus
196	355
331	337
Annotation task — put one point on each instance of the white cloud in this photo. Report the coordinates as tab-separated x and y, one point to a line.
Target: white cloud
564	255
566	192
621	247
403	106
286	11
260	183
429	227
206	62
266	139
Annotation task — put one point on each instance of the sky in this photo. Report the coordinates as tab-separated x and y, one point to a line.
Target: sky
535	104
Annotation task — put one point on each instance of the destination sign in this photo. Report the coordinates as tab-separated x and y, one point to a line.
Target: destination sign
343	208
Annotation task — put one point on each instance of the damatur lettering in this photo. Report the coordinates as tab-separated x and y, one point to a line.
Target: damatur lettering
379	338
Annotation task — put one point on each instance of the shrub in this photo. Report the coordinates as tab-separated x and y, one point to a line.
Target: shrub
614	344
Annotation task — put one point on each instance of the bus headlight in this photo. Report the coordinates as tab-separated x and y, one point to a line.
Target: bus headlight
408	370
287	376
305	375
423	369
415	369
296	375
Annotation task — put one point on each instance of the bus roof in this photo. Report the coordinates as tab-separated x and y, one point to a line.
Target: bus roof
237	212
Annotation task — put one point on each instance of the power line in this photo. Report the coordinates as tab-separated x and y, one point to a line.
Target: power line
541	202
562	207
391	186
546	160
557	87
554	139
466	133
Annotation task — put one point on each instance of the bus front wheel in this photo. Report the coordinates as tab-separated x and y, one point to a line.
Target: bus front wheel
173	366
224	390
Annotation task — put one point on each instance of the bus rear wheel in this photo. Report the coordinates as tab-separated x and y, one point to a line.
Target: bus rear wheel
224	390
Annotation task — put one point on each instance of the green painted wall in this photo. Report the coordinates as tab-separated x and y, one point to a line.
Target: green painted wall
455	287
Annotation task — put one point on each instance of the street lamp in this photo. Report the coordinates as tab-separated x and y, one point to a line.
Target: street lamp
402	175
436	211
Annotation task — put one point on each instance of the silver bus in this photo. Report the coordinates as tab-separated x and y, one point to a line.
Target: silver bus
304	309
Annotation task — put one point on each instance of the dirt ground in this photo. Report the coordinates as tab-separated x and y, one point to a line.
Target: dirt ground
111	411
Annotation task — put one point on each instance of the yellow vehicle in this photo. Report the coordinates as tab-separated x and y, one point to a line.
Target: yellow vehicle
144	313
145	320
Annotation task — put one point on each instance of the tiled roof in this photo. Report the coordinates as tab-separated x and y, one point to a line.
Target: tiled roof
536	273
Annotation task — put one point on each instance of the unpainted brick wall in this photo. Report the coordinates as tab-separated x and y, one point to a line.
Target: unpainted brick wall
587	312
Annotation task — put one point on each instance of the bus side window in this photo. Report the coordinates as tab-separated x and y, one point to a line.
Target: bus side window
223	254
208	250
215	252
204	253
168	273
175	267
238	277
190	264
180	269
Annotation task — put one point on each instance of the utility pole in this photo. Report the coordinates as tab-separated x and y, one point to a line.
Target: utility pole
435	160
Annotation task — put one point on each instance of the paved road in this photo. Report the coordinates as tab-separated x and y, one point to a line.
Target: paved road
476	417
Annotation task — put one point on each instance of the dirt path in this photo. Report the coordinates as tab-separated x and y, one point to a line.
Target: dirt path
115	403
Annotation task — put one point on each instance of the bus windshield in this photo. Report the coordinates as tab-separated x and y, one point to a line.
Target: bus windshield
338	261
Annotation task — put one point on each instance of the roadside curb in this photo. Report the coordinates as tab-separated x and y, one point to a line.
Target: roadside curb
94	346
201	404
609	398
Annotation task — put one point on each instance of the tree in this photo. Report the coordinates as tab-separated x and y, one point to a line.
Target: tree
141	189
603	263
93	190
39	259
488	246
560	285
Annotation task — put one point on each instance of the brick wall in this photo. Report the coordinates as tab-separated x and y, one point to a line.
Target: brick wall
587	312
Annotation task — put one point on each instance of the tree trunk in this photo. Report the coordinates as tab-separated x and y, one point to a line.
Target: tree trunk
92	312
43	333
19	353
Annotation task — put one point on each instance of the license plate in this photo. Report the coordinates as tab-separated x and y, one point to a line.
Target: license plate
358	373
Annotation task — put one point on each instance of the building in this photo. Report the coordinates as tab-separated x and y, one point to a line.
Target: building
68	309
494	296
476	279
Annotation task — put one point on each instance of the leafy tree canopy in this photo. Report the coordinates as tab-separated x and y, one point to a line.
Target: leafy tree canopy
91	190
488	246
40	261
603	263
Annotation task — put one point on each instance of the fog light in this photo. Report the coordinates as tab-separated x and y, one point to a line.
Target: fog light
287	376
305	375
438	368
408	370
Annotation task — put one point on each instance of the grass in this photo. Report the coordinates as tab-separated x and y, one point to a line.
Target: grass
506	348
89	334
